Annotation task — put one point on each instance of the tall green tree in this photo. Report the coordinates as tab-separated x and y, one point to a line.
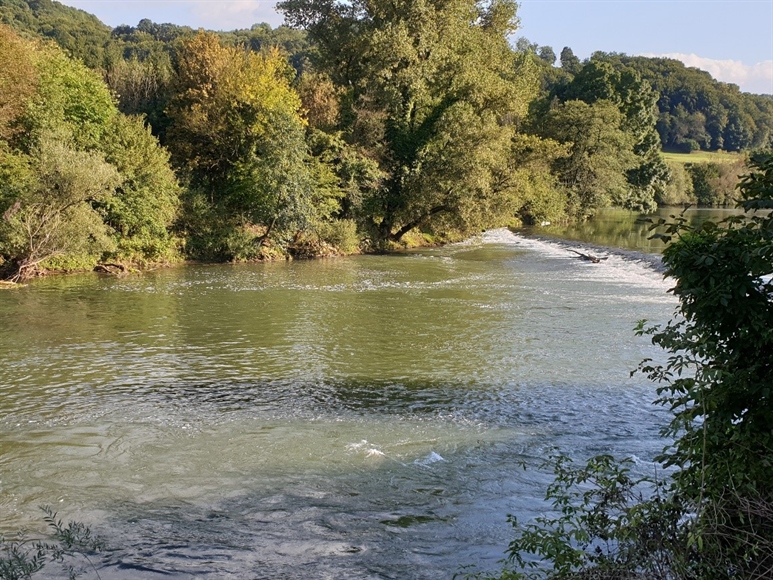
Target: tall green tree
237	132
80	181
70	100
569	62
600	153
434	93
600	81
18	81
145	204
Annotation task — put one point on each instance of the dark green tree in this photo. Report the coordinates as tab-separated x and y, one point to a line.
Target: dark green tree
547	54
569	62
600	153
635	99
433	93
238	135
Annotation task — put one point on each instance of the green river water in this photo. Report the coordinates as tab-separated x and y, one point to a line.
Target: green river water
346	418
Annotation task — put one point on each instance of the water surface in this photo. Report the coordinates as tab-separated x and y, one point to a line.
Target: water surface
349	418
620	228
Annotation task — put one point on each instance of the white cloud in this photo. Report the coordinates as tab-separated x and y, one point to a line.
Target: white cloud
754	78
236	13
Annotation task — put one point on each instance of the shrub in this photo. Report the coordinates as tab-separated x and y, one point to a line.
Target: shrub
713	517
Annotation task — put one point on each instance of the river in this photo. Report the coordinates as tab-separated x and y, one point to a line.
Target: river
346	418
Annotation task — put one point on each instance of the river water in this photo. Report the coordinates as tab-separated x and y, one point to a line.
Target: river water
347	418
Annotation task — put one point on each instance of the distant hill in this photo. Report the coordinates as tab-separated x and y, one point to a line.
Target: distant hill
699	112
85	37
82	34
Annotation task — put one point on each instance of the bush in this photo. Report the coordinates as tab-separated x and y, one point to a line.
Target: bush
342	234
22	557
714	184
687	146
713	517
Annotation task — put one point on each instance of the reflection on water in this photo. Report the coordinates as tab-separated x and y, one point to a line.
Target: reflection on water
619	228
352	418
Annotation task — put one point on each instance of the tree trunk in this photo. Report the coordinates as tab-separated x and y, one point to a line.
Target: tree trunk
397	236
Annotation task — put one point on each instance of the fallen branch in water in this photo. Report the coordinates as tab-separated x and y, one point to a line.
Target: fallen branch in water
589	257
111	268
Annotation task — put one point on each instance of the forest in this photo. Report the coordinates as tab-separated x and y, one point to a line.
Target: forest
351	128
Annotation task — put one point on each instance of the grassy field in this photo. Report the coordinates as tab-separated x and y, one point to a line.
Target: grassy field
701	157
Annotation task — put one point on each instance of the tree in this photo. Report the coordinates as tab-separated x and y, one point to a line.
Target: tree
694	106
144	206
70	100
51	214
569	62
17	81
81	34
600	153
321	101
81	182
237	132
635	99
547	54
433	94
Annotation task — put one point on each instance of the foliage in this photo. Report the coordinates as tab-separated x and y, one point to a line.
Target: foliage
79	182
694	107
237	131
541	197
714	183
143	86
145	204
606	524
51	213
17	80
723	413
635	99
713	516
600	153
569	62
21	557
679	189
341	235
432	94
321	101
70	100
79	33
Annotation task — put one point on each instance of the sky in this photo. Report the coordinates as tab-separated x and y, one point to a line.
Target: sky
733	40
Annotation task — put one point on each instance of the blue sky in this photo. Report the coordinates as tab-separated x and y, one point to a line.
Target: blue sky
733	40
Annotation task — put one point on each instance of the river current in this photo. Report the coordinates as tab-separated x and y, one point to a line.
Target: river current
361	417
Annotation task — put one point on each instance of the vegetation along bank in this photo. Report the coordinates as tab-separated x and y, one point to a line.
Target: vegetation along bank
352	128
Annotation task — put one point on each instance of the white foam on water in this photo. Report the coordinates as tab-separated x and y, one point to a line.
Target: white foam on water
430	459
365	448
616	266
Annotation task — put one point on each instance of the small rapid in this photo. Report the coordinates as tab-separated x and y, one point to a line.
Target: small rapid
350	418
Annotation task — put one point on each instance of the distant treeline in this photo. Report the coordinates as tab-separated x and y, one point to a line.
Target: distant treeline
695	112
356	127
